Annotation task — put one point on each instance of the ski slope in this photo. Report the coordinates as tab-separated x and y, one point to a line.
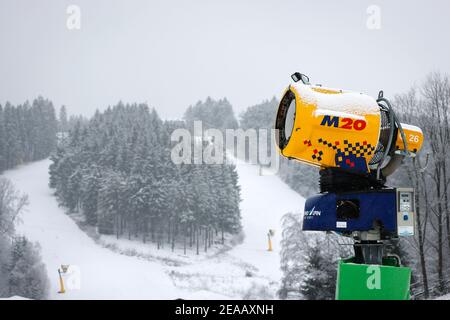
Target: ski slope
106	274
265	199
103	274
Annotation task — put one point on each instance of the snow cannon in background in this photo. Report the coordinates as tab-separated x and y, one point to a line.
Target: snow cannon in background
356	141
62	271
270	235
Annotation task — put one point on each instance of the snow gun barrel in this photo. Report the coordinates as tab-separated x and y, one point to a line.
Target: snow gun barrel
333	128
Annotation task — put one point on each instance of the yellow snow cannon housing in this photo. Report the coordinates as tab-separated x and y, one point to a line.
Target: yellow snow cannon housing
336	128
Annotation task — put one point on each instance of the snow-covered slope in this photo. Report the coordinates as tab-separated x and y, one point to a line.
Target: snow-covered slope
265	199
106	274
444	297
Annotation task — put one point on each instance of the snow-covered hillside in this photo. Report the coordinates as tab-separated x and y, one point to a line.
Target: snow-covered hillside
265	200
106	274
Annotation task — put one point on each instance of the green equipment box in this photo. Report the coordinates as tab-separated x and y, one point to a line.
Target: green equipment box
388	281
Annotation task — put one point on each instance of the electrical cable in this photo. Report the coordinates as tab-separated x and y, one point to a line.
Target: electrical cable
394	123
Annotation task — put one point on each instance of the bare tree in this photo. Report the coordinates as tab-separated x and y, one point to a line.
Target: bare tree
429	174
436	94
11	204
411	111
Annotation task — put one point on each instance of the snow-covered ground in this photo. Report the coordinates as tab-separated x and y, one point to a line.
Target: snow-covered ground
444	297
103	273
265	199
14	298
246	270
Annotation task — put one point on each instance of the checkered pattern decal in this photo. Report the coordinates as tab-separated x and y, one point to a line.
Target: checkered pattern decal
317	154
348	155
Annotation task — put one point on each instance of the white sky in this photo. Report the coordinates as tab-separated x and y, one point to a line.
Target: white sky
173	53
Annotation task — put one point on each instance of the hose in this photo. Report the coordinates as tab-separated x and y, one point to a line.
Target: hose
394	122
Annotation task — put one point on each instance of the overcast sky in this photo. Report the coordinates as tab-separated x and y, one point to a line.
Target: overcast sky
171	54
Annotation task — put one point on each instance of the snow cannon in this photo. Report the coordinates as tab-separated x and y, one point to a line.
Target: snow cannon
333	128
356	141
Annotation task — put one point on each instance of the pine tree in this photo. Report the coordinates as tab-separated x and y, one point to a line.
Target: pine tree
27	274
110	203
117	169
90	185
308	262
12	144
319	274
21	269
63	125
214	114
27	133
292	255
2	141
